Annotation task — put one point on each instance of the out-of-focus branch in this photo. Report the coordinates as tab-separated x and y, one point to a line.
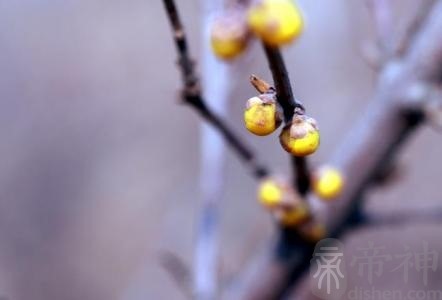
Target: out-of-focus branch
192	95
381	11
179	272
406	36
285	98
374	140
403	218
387	44
371	55
212	176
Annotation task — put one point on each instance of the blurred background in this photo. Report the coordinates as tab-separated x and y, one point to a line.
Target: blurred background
99	162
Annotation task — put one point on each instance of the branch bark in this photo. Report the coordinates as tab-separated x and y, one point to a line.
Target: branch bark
192	95
285	98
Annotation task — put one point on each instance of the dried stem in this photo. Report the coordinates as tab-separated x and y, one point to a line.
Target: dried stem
192	95
260	85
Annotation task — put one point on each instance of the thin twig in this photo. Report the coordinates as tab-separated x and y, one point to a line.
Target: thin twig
192	95
285	98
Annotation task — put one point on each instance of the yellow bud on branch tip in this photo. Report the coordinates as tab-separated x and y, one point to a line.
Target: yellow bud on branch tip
276	22
229	35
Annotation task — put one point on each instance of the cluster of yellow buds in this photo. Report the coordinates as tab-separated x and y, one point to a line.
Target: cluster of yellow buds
263	116
276	22
282	201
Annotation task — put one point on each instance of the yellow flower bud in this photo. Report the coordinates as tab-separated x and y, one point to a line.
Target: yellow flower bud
293	216
261	116
328	182
270	193
301	138
276	22
229	35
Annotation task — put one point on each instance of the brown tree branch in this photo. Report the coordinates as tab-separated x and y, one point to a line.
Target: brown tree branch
192	95
285	98
372	141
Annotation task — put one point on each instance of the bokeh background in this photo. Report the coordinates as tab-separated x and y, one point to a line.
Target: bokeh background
99	162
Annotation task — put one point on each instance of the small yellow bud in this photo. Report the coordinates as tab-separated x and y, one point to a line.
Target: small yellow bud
301	138
276	22
229	35
328	182
293	216
261	116
270	193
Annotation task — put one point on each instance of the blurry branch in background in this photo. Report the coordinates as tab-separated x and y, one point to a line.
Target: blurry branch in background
373	141
406	36
377	51
381	12
179	272
389	44
211	177
404	218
